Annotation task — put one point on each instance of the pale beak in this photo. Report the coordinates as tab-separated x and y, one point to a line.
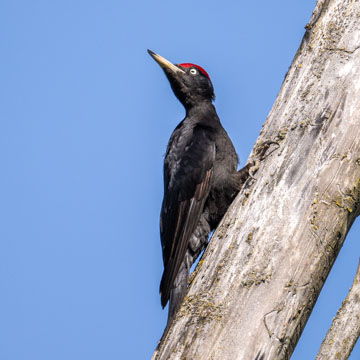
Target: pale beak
165	64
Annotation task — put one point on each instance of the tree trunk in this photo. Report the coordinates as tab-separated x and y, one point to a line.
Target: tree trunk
345	328
263	270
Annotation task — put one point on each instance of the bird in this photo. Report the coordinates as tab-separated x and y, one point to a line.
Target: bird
201	179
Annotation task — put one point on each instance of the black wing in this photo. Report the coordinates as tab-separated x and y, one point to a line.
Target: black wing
187	173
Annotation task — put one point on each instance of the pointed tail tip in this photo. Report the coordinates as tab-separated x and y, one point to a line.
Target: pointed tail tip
164	301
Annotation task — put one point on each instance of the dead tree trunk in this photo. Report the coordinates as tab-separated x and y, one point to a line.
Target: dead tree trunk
264	268
345	328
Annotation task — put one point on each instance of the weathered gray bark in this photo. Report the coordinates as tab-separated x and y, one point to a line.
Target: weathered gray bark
345	328
266	263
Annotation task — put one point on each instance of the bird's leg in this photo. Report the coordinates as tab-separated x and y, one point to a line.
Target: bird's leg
253	164
254	168
242	175
260	155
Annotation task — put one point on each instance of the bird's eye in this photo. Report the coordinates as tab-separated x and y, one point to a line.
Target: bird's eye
193	71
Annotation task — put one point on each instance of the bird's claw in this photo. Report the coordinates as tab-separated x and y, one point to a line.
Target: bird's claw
261	149
254	168
260	155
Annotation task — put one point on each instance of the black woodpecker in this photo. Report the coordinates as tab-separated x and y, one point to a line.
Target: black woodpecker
200	178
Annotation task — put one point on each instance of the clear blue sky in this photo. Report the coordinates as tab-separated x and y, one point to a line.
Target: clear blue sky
85	118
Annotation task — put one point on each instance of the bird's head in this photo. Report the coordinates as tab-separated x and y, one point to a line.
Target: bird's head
191	83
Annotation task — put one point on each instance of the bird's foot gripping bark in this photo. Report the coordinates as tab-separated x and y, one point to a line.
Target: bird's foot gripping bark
252	166
261	153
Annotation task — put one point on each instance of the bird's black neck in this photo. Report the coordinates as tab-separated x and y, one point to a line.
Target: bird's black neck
203	113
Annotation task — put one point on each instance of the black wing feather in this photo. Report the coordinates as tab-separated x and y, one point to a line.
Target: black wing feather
187	184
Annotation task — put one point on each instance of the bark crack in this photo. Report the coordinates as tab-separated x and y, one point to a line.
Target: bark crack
343	50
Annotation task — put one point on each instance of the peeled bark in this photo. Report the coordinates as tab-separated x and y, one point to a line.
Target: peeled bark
263	270
345	328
